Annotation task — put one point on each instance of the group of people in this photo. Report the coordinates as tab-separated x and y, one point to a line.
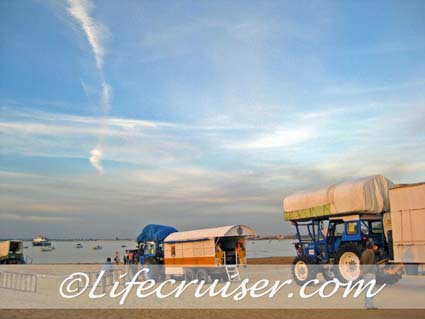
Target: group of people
130	257
240	253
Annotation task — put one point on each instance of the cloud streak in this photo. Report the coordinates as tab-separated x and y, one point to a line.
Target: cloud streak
80	10
96	156
95	32
162	171
277	139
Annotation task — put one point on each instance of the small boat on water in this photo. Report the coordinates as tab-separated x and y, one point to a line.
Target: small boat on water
123	246
98	247
41	241
47	248
78	245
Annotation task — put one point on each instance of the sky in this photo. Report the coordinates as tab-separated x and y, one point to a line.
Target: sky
117	114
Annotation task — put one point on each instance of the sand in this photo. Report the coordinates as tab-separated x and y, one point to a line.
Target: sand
284	260
215	313
211	314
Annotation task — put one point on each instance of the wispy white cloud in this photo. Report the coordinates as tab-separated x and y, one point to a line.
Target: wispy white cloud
280	138
95	33
45	123
311	136
362	89
37	133
95	157
180	171
36	218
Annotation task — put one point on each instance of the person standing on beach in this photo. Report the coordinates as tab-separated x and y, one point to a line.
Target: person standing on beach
241	252
130	257
368	261
117	258
219	254
108	268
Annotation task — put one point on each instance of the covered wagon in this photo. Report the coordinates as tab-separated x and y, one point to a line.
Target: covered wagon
204	254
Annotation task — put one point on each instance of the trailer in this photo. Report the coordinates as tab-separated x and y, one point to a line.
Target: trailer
333	225
404	225
11	252
207	254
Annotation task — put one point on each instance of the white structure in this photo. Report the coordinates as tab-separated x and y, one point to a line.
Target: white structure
407	222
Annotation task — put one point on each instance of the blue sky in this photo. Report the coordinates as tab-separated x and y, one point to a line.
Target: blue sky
196	114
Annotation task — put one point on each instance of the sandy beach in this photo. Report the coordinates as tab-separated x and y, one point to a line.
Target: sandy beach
205	312
211	314
281	260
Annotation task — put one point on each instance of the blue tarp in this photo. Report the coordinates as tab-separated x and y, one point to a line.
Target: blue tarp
155	233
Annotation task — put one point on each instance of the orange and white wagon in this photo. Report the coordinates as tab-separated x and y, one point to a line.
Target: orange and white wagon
204	254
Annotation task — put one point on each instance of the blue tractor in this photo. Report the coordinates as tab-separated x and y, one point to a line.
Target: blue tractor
151	243
333	246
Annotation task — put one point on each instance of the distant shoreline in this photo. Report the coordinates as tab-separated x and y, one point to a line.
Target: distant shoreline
274	260
78	239
277	237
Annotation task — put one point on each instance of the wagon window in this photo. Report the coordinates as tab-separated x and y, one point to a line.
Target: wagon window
173	251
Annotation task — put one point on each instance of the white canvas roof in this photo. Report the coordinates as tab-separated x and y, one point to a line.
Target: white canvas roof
208	233
366	195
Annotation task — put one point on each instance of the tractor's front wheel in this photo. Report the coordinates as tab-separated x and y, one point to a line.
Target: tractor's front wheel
347	262
303	269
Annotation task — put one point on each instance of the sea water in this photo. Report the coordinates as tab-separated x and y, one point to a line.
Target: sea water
66	252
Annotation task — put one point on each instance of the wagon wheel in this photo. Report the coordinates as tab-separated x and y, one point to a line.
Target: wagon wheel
189	275
202	275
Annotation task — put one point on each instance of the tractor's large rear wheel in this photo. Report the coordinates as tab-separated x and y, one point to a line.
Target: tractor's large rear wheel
303	269
347	262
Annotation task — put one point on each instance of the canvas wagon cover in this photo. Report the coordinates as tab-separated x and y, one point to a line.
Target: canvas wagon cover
364	195
208	233
153	232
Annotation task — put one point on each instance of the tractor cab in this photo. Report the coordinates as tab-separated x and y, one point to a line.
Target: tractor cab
311	240
355	229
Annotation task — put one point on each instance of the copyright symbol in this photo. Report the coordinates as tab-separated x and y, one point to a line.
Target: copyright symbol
74	285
